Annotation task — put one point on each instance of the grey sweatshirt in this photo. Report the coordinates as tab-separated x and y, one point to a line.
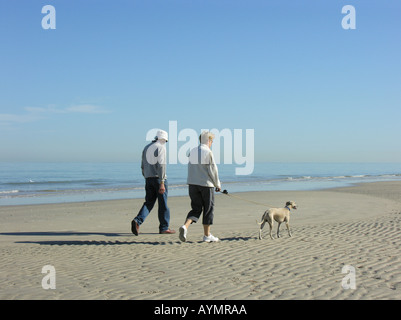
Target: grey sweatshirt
154	161
202	169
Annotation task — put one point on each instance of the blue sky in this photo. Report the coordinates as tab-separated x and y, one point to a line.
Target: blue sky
112	70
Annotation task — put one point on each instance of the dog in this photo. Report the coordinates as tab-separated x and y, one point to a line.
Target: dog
278	214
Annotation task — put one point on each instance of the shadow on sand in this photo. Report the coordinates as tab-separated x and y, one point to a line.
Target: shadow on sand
101	242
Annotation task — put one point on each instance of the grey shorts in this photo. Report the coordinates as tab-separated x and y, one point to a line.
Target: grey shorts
202	199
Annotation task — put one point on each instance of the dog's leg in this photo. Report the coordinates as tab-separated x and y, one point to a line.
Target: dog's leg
262	224
288	228
278	230
271	228
260	230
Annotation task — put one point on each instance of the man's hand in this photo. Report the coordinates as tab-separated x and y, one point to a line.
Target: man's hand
162	188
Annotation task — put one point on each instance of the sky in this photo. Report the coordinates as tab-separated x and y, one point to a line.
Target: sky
110	71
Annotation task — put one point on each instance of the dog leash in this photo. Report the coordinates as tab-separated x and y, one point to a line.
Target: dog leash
243	199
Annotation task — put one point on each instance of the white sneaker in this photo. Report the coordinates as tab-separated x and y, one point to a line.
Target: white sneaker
210	238
183	233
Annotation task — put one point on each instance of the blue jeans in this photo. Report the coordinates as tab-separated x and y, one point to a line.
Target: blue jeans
152	194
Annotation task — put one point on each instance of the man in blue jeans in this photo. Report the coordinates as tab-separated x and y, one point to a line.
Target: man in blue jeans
154	171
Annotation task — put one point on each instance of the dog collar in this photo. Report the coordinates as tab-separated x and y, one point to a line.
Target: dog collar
288	208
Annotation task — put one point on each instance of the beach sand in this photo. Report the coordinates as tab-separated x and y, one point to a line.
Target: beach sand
95	256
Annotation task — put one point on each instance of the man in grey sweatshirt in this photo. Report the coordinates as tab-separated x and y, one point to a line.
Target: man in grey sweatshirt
153	167
203	178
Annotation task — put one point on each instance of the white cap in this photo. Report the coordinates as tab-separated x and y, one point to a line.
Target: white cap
161	134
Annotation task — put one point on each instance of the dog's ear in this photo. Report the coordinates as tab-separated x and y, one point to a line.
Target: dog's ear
288	203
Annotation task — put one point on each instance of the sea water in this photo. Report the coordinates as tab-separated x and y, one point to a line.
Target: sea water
37	183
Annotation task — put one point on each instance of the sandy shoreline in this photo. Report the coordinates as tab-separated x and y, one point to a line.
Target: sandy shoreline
95	256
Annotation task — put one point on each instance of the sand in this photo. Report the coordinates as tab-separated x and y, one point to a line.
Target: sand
95	256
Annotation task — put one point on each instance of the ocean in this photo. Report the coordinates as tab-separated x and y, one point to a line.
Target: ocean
23	183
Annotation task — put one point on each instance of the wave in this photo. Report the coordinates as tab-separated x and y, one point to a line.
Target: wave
32	182
312	179
85	185
96	189
9	191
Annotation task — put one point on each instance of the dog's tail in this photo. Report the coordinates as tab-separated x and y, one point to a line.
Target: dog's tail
259	223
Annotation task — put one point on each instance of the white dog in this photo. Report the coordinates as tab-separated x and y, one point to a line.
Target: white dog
278	214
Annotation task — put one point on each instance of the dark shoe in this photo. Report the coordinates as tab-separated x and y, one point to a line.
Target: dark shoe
168	231
134	227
